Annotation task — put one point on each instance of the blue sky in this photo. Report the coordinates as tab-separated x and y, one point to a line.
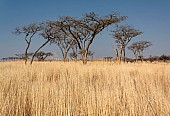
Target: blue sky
152	17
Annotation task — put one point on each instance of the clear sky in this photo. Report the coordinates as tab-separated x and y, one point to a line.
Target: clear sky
152	17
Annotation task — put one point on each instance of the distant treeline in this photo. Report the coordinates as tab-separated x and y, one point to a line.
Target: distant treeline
42	56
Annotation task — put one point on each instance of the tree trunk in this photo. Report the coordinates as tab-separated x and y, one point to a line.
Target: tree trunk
28	45
38	50
142	56
26	55
92	58
84	57
65	56
26	52
136	57
120	56
117	53
124	55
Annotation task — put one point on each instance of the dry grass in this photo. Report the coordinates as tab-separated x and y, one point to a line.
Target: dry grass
73	89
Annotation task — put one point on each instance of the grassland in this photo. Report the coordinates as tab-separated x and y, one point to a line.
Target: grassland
73	89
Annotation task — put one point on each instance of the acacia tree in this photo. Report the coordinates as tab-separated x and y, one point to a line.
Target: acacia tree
164	57
138	47
143	45
64	42
123	35
41	56
84	30
48	34
135	49
22	56
28	31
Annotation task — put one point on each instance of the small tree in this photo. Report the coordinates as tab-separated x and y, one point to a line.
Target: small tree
84	30
123	35
28	31
22	56
41	56
135	49
138	47
164	58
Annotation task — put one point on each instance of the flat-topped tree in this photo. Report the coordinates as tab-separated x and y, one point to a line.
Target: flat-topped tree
84	30
138	47
28	31
41	56
64	42
22	56
123	35
135	49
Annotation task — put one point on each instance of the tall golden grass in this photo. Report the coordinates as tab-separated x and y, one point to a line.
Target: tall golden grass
74	89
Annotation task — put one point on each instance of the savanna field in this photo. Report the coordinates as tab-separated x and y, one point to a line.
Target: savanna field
74	89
